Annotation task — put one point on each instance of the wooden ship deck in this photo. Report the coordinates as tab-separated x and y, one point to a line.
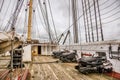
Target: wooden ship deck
31	31
48	68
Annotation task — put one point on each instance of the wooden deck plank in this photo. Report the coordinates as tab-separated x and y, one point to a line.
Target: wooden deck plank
47	68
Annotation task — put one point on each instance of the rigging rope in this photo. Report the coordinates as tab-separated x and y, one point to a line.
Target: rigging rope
104	9
74	22
47	21
96	20
40	17
106	6
91	20
88	9
84	3
86	35
42	11
37	26
12	21
69	21
82	15
44	18
118	18
5	14
110	16
104	2
25	23
52	19
6	27
112	20
111	10
96	4
33	25
102	38
19	19
1	5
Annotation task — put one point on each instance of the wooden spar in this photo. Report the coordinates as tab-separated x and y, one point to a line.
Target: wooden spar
66	37
30	21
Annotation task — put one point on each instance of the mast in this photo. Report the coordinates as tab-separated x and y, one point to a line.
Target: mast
75	26
30	21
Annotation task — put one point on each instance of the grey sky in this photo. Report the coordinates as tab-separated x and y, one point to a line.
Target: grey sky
60	10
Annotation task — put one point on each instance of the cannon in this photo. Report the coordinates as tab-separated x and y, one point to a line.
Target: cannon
69	56
94	64
56	54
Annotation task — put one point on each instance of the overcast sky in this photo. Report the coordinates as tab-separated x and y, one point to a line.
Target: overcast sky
60	11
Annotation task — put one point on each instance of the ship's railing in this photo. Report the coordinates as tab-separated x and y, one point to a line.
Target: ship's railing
93	46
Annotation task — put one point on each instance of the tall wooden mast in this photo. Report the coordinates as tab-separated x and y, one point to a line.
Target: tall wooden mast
30	21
